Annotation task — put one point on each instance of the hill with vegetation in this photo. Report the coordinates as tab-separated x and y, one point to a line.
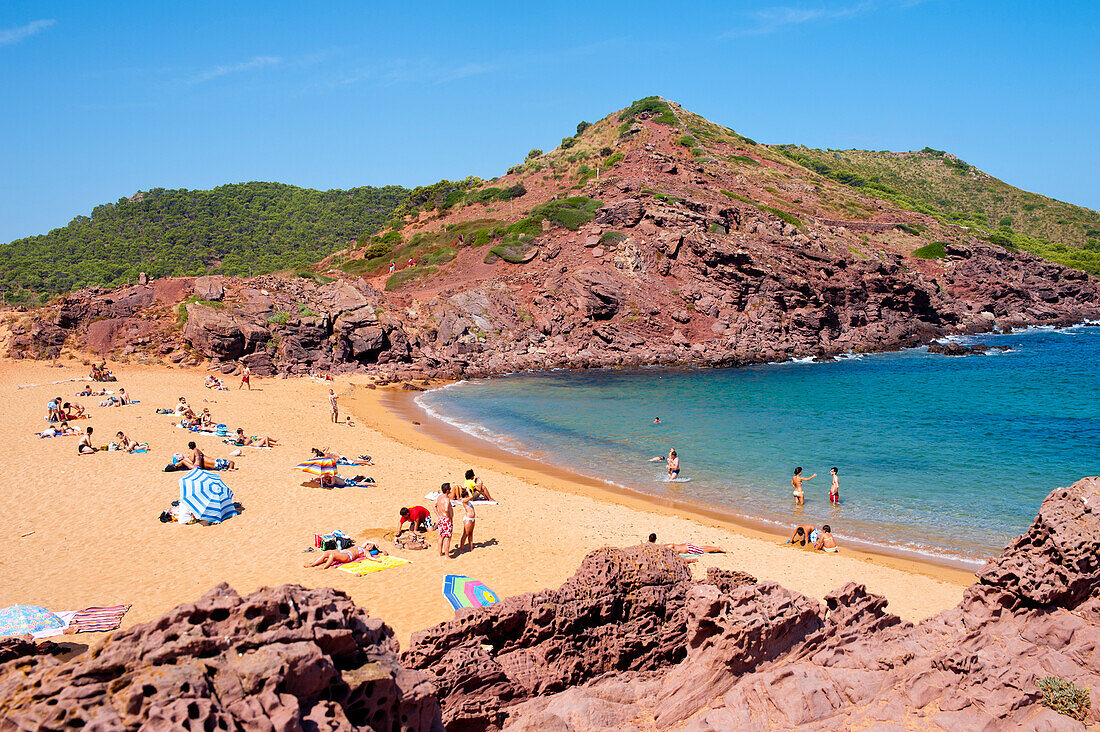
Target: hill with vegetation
240	229
950	190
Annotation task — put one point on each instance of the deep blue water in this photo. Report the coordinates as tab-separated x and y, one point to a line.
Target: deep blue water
948	456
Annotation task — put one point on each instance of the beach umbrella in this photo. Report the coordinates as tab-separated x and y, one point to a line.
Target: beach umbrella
206	496
463	591
318	466
23	619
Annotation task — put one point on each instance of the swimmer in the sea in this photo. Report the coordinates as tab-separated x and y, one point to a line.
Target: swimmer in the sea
673	465
656	420
796	483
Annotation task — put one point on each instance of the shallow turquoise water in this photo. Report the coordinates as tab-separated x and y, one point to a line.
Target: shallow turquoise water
938	455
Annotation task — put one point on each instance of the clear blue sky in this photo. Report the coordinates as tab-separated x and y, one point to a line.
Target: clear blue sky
100	100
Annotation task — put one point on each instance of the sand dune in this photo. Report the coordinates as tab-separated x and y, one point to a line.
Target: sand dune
97	539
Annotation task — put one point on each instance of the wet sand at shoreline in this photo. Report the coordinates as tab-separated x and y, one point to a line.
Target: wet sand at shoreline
97	539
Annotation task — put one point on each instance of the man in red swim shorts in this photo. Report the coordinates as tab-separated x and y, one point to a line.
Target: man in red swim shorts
444	517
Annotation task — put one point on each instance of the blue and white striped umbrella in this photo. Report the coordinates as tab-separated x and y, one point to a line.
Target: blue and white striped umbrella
206	496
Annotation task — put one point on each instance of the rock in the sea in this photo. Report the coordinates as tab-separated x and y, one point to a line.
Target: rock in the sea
284	658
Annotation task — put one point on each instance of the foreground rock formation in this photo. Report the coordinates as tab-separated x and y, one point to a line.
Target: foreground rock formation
629	642
689	260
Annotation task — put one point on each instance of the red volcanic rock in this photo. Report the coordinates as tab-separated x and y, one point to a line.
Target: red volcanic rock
209	288
221	334
286	658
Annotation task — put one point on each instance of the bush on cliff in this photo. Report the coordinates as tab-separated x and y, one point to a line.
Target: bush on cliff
935	250
1065	697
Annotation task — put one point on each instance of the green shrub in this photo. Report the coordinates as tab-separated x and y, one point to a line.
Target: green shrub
743	160
568	142
281	317
515	252
582	126
571	213
397	279
1065	697
181	309
698	152
534	153
668	118
611	238
439	256
653	105
912	229
717	229
605	151
687	141
783	215
935	250
320	279
378	249
304	311
1006	222
515	169
611	160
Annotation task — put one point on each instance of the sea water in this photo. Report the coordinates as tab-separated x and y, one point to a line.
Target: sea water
944	456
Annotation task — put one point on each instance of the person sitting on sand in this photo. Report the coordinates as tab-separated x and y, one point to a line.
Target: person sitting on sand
444	518
331	558
825	541
796	483
417	516
468	520
803	534
123	397
253	440
71	410
673	465
86	447
834	489
125	443
200	461
474	488
205	419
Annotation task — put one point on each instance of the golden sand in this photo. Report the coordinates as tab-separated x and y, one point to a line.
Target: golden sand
97	540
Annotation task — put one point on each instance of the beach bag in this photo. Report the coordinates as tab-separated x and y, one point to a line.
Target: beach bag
222	430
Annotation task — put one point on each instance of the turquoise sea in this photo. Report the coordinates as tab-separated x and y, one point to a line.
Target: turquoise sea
943	456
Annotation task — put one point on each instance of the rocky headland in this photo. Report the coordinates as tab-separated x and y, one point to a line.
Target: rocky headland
631	641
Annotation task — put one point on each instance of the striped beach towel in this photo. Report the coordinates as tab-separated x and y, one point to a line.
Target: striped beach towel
99	619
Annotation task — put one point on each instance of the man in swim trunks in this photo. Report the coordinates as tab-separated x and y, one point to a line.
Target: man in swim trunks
331	558
834	489
246	379
417	516
825	541
468	520
796	483
444	516
673	465
85	447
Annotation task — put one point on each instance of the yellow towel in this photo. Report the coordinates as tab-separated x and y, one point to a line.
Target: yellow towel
366	566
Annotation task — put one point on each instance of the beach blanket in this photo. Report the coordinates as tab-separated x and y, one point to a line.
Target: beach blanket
254	447
99	619
455	502
361	567
67	434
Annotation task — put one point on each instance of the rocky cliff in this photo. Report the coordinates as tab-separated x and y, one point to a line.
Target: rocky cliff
631	641
723	254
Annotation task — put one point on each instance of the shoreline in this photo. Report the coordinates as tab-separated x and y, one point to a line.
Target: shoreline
402	419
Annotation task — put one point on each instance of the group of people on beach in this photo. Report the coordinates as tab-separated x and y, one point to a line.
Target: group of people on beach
420	519
800	495
59	413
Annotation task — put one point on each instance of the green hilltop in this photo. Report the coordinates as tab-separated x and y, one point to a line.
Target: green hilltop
239	229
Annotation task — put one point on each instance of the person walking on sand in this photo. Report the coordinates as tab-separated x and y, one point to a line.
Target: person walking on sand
444	519
333	406
246	378
796	483
467	522
673	464
834	489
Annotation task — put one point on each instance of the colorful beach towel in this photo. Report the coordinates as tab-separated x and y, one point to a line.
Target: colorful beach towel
361	567
99	619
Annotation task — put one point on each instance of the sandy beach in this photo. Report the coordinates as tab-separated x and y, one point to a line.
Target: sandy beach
83	530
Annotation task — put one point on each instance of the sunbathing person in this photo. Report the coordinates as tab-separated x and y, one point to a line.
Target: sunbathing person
125	443
89	391
213	382
475	488
331	558
199	460
59	430
332	480
689	548
86	447
325	452
254	440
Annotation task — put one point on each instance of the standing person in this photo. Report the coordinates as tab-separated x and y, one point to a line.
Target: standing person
444	519
411	261
673	464
333	406
85	447
796	483
834	489
246	378
467	523
393	267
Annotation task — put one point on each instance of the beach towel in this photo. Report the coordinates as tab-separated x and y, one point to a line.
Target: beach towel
66	616
455	502
254	447
361	567
99	619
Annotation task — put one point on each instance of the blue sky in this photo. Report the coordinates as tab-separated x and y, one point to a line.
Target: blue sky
102	100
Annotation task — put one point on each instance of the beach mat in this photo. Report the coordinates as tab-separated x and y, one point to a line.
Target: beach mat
361	567
455	502
99	619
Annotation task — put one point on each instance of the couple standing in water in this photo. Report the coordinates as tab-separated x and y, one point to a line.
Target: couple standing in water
800	495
